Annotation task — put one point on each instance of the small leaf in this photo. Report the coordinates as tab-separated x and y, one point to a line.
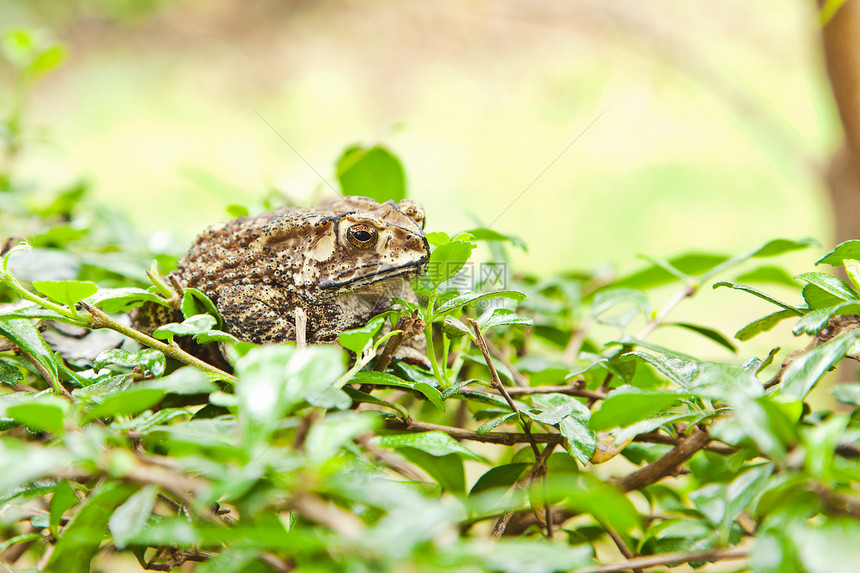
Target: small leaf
128	402
434	443
9	373
357	338
198	324
113	300
759	294
40	414
27	337
763	324
846	250
484	234
194	302
373	172
151	360
386	379
186	380
82	536
767	274
503	317
447	260
454	328
802	374
814	320
63	498
66	292
628	405
469	298
707	333
830	284
503	476
130	518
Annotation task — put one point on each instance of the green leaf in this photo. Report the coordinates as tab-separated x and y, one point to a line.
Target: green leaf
817	297
9	373
769	249
114	300
27	337
436	238
373	172
447	470
767	274
194	302
469	298
831	285
198	324
814	320
828	10
689	264
831	547
130	518
43	414
66	292
357	338
572	416
454	328
63	499
763	324
82	536
447	260
328	435
20	463
127	402
273	380
709	333
802	374
502	317
759	294
503	476
852	269
151	360
846	250
627	405
634	302
434	443
386	379
484	234
186	380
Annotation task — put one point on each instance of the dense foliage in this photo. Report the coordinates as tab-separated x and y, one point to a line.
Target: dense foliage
328	458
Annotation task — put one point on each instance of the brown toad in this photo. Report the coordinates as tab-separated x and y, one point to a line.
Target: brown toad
341	263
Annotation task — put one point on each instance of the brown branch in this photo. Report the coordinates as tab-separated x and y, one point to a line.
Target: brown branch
500	527
669	559
409	327
326	513
666	465
568	390
497	384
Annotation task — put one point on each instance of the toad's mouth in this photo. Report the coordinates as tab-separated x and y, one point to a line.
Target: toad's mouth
371	274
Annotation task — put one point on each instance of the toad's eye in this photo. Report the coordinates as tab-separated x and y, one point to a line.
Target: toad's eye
362	236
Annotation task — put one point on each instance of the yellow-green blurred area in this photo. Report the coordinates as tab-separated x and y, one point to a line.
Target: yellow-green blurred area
593	130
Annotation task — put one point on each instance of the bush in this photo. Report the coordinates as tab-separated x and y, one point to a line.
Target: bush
308	459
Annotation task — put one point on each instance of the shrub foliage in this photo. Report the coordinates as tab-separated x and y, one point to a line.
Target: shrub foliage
549	434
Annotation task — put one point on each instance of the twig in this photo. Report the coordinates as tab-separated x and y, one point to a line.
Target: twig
326	513
668	559
666	465
393	461
501	525
410	326
621	545
686	292
99	319
301	327
497	383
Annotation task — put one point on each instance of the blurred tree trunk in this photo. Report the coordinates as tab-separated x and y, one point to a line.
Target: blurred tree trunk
841	39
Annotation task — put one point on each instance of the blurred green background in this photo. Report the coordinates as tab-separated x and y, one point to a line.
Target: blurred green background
711	119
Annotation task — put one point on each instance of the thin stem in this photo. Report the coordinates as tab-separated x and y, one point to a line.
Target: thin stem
99	319
668	559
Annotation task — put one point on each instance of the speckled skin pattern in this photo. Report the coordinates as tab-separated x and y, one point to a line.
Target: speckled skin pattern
341	262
